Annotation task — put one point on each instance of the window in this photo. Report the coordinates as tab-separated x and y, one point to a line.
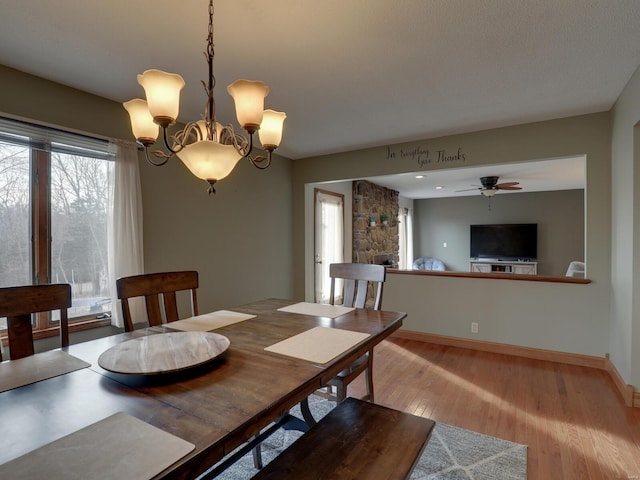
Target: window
55	202
329	241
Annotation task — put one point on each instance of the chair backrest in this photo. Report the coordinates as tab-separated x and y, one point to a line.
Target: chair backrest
575	269
430	264
19	303
152	287
357	277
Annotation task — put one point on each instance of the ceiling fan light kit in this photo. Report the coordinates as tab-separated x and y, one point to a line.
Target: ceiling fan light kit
490	186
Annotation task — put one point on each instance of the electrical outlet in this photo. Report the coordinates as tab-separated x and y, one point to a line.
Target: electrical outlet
474	327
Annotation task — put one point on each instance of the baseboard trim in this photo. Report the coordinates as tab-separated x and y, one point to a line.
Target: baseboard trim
625	390
630	397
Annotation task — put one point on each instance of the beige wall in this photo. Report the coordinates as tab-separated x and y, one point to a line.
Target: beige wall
562	317
625	311
551	316
559	216
36	99
239	240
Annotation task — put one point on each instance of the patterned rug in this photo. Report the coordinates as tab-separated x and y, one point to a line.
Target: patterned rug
452	453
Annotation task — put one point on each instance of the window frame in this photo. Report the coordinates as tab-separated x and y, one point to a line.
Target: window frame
41	145
322	279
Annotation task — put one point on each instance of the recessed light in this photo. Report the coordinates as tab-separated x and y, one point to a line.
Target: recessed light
439	187
419	176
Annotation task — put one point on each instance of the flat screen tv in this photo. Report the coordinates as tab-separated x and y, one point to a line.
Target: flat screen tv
507	241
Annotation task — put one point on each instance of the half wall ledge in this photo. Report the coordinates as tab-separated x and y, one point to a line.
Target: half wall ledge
492	276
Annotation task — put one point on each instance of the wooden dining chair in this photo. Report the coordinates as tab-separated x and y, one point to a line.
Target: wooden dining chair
153	287
18	304
361	288
361	281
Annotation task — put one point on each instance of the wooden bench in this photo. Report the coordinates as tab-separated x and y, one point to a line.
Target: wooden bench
357	440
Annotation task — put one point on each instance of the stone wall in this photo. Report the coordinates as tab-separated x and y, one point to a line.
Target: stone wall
371	200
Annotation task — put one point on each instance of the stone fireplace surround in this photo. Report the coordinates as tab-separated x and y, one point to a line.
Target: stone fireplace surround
369	200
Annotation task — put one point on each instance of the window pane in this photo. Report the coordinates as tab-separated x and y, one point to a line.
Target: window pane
14	217
79	215
329	243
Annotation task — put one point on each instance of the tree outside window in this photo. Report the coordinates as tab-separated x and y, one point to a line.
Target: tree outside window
54	209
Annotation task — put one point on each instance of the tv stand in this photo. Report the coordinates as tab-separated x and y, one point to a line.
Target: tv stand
503	266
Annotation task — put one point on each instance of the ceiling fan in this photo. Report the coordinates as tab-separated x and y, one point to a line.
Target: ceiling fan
490	186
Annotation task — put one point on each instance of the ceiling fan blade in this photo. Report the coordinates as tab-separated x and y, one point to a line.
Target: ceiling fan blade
502	187
507	184
468	189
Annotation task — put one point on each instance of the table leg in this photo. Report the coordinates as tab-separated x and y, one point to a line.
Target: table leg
306	413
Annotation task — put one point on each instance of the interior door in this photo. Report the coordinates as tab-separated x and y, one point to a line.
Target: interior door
329	239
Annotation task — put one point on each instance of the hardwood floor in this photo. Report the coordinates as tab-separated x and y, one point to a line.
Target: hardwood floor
574	422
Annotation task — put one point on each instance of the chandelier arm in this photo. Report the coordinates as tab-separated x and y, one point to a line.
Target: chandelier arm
165	138
192	132
157	154
180	139
250	149
257	162
228	136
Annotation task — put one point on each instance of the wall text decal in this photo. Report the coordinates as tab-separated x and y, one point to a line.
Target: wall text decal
422	156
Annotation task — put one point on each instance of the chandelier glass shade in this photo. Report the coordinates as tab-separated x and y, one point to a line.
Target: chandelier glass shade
144	128
208	149
248	97
162	90
270	132
209	159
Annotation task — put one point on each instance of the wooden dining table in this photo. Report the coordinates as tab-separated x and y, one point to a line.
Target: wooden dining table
216	407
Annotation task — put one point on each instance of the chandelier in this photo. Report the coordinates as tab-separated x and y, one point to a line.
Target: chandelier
208	149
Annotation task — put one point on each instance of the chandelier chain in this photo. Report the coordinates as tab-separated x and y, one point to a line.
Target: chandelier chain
210	107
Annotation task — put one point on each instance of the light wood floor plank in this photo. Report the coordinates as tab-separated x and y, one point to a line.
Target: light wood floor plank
573	420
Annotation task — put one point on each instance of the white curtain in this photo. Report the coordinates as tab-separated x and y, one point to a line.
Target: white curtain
405	232
409	238
402	240
125	226
329	241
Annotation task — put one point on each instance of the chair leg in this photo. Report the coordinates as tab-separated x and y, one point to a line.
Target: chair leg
306	412
369	377
341	391
257	456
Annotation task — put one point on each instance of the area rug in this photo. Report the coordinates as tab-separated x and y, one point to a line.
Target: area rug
452	453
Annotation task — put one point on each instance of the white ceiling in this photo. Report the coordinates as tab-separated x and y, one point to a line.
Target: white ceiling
349	73
534	176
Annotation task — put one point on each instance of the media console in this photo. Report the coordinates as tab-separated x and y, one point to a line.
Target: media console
503	266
